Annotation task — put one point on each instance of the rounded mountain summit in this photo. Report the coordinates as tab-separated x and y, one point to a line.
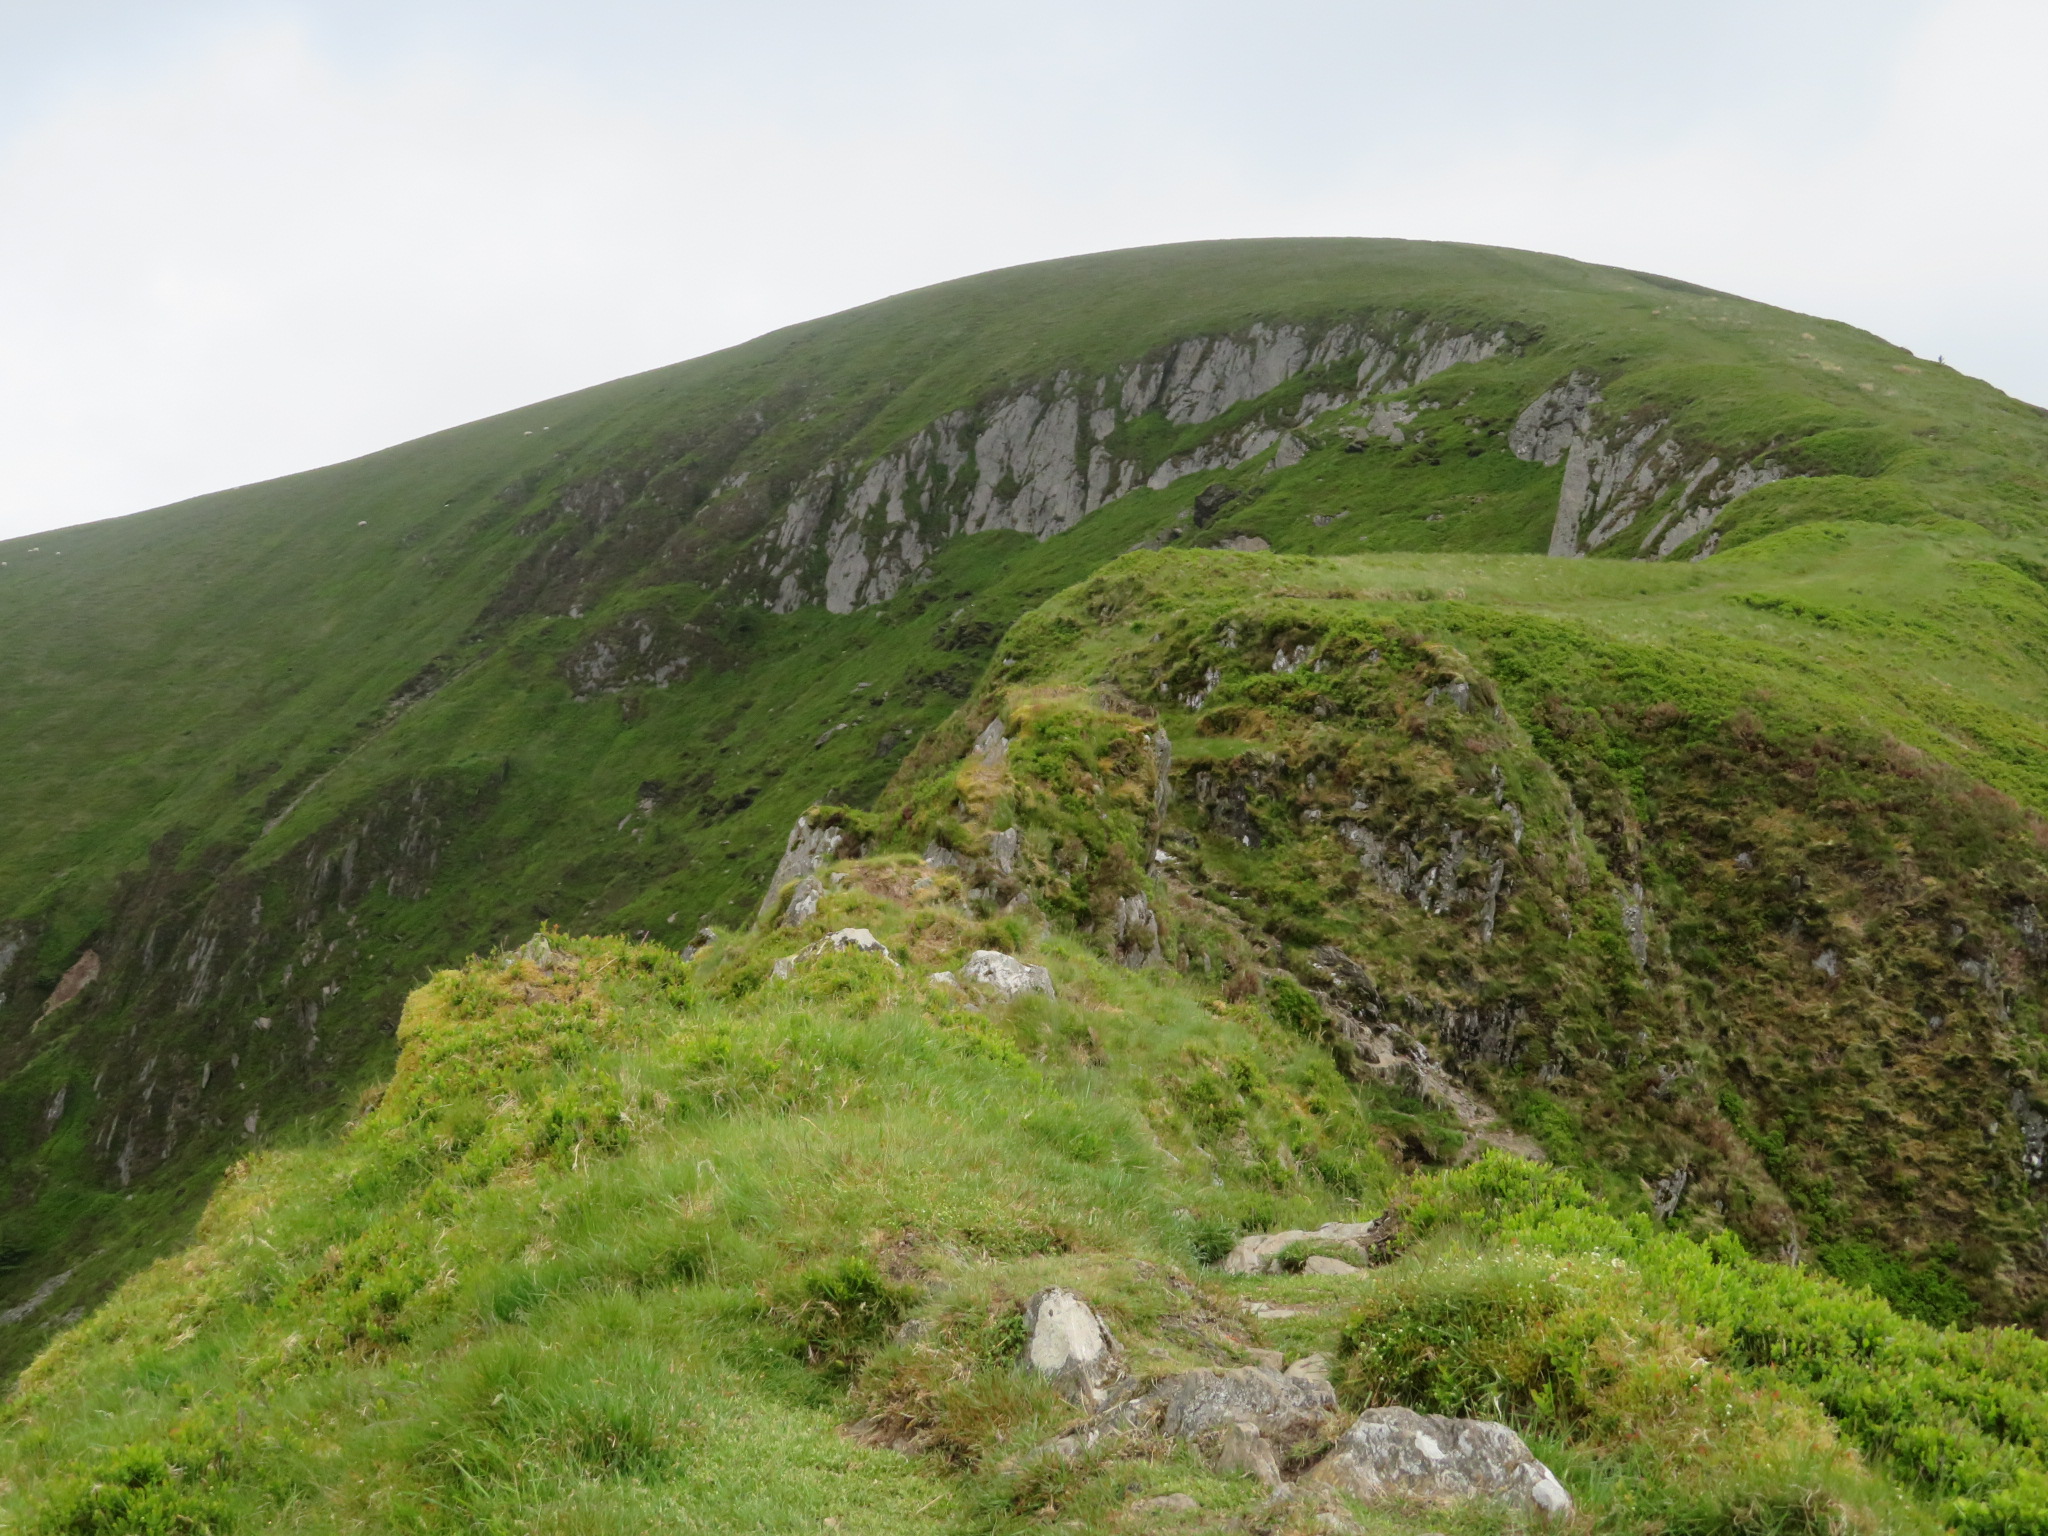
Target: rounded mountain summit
1734	899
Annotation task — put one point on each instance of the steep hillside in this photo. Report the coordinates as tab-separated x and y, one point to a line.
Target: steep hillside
750	1242
271	753
1660	898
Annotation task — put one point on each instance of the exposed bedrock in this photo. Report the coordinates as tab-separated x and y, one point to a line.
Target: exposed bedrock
1041	458
1617	470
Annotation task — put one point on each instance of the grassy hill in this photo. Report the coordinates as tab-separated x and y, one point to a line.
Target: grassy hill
274	754
628	1242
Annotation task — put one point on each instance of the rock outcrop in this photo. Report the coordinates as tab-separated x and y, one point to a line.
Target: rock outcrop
1041	458
808	850
1252	1415
1615	472
1071	1347
84	971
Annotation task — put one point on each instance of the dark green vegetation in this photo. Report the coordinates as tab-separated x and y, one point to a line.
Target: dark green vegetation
1718	878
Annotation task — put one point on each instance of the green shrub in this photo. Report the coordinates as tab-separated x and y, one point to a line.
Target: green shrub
143	1490
835	1313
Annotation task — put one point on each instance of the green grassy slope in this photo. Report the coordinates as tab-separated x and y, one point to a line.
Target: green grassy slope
1684	907
628	1242
270	753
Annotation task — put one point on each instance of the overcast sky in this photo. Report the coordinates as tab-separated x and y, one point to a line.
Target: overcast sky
243	237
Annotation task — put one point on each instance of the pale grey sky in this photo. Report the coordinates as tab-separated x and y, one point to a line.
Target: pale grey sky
243	237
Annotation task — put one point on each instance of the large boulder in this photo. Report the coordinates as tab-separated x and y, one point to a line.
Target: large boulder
1286	1410
1227	1414
1006	975
1398	1453
1070	1346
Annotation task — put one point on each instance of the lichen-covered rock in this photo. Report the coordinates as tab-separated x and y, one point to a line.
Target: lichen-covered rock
1398	1453
1070	1346
1207	1407
1006	975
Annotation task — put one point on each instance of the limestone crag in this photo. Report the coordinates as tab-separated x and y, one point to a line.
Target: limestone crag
1614	472
1041	458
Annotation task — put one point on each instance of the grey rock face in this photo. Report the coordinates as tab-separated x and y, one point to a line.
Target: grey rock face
1668	1191
1215	1409
1239	1447
2033	1128
1002	847
1610	478
1313	1366
1038	460
1396	1453
1070	1346
1635	923
808	850
1554	420
1162	782
1006	975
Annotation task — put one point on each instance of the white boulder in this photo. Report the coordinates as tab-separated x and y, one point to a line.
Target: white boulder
1070	1346
1006	975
